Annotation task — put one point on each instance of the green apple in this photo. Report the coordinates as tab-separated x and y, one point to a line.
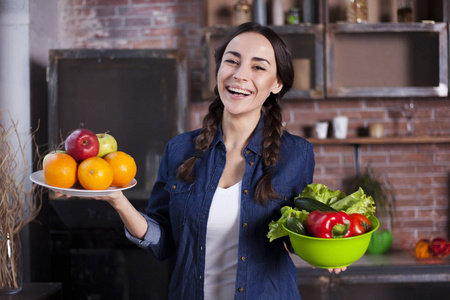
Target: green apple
50	154
108	144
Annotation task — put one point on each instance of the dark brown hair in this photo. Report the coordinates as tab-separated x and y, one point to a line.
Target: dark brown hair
272	119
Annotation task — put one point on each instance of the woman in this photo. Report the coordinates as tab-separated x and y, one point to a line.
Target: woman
219	187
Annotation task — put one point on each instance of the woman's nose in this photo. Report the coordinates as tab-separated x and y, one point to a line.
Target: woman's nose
240	74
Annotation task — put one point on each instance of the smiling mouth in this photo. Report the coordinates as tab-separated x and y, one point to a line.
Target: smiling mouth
237	91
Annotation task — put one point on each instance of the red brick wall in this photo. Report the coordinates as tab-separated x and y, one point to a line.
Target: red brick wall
419	172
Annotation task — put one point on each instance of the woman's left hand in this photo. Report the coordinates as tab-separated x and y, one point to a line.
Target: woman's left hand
337	270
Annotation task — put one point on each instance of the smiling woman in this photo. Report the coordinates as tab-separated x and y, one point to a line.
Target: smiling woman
247	75
241	156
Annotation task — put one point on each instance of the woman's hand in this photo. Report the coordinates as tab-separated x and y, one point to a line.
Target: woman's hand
112	198
337	270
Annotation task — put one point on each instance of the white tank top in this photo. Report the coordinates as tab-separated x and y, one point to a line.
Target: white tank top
222	237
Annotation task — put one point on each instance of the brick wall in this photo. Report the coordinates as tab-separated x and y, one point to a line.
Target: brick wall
419	172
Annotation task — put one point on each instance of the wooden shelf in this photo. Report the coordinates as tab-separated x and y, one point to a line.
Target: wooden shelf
385	140
386	60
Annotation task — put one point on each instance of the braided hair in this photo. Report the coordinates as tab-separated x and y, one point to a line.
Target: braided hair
273	128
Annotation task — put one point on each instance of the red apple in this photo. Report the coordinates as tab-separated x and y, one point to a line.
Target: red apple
81	144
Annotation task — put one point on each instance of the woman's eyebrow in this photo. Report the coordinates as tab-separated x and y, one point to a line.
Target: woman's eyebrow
237	54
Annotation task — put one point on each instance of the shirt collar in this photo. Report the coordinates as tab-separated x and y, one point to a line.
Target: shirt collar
255	143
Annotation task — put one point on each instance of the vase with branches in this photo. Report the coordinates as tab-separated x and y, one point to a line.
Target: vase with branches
19	204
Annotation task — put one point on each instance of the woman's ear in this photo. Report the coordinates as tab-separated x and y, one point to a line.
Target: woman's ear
278	87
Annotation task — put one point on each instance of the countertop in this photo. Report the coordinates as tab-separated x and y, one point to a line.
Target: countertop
393	263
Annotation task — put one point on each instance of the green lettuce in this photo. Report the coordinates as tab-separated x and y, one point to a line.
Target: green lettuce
358	202
321	193
276	229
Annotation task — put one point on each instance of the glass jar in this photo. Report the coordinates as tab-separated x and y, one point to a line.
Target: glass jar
405	11
293	16
356	11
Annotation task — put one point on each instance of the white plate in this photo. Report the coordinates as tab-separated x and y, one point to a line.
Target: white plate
38	178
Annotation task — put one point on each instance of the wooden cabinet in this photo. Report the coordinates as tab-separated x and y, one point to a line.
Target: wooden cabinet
386	60
382	59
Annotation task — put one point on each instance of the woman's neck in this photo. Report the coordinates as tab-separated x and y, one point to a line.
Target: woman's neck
237	130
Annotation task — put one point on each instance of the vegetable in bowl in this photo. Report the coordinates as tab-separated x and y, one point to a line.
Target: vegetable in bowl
316	206
357	202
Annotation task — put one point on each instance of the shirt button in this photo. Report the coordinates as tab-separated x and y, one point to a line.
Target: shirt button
201	248
200	277
174	187
246	192
243	258
244	224
241	289
247	152
251	163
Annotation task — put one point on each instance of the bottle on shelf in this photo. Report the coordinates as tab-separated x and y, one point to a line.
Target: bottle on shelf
260	12
356	11
242	12
277	12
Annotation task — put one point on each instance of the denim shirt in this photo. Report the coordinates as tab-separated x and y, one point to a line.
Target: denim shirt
177	216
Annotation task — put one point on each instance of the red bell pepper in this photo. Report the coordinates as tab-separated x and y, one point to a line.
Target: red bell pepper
328	224
360	224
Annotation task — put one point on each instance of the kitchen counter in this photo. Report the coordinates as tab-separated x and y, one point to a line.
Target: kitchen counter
394	275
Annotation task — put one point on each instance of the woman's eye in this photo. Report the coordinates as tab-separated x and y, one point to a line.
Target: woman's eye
260	68
231	61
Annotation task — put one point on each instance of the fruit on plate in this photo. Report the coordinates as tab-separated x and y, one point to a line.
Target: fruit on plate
82	144
60	170
50	154
123	166
94	173
107	144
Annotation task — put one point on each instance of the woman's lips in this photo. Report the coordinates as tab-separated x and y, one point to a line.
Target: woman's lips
238	93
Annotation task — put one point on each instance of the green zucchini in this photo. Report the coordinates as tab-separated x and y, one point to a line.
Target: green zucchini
295	225
310	205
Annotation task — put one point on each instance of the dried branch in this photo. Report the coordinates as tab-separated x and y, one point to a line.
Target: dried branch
18	205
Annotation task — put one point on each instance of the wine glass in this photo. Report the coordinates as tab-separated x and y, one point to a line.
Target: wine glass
407	111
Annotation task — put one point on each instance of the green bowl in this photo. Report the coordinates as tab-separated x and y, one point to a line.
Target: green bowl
332	253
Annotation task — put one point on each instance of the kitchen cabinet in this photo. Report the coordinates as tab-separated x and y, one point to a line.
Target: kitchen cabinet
386	60
37	291
394	275
381	59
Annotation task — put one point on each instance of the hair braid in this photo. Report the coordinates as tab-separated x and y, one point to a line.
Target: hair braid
272	133
204	139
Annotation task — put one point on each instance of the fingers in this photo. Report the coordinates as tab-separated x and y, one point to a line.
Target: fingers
338	270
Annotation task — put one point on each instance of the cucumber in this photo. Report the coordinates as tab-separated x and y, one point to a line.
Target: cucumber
310	205
295	225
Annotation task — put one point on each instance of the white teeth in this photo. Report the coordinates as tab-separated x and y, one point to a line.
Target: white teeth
236	90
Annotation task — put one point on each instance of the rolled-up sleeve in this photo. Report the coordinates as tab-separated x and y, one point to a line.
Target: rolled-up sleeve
151	237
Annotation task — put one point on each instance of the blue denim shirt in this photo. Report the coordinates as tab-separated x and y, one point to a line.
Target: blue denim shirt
177	216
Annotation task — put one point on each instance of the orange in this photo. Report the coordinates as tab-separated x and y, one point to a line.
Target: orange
94	173
124	167
60	170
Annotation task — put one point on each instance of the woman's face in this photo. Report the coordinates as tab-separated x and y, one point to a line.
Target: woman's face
247	74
